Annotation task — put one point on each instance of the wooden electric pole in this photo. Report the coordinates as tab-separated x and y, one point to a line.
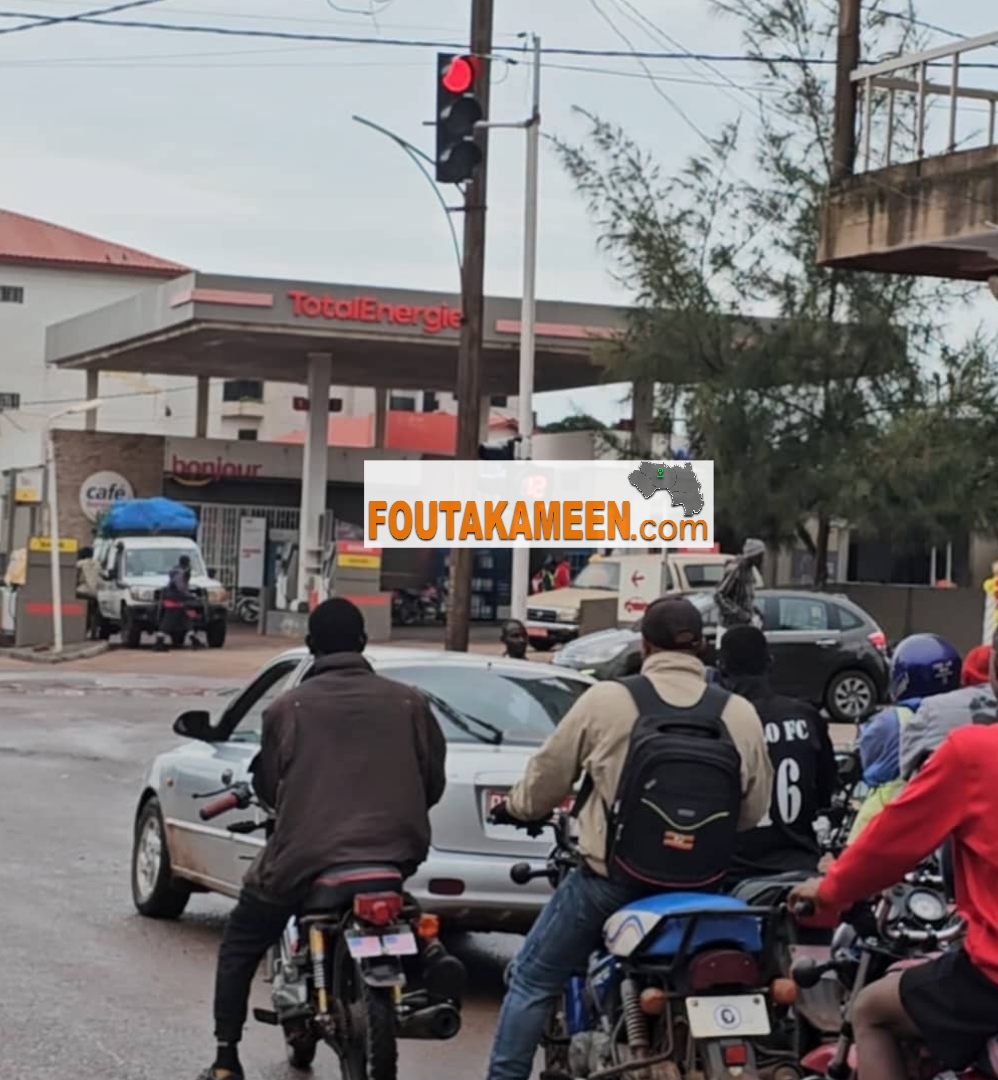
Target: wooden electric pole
846	95
469	361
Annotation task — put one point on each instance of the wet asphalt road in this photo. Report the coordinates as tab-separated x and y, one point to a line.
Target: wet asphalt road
89	989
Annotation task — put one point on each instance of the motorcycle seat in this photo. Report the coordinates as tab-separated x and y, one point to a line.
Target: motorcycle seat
334	889
657	924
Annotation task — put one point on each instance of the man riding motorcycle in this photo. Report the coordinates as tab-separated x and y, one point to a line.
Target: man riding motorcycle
922	666
950	1003
594	738
973	703
802	756
351	763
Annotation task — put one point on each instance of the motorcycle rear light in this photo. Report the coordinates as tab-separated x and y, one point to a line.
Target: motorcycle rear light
446	886
736	1054
723	967
878	639
654	1001
378	909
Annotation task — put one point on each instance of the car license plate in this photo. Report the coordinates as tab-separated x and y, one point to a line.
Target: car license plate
743	1015
536	631
366	946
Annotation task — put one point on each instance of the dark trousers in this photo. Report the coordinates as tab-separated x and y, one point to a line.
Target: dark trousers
253	927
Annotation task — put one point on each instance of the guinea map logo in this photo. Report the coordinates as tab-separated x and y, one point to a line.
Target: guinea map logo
680	481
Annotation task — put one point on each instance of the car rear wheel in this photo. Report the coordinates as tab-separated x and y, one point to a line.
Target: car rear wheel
541	646
156	893
850	696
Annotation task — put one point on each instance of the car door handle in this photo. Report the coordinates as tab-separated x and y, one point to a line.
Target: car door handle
227	777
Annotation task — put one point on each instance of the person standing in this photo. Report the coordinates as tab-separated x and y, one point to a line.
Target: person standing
514	639
735	596
562	573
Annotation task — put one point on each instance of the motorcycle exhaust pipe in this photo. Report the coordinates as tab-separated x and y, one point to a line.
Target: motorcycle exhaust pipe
435	1022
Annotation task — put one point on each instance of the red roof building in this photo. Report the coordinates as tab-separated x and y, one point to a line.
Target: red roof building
28	241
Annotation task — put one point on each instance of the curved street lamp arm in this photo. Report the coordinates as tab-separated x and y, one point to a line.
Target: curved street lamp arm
418	157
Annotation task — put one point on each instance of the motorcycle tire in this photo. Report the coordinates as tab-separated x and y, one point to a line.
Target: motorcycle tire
374	1054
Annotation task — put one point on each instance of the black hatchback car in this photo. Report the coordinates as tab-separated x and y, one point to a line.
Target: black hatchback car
825	649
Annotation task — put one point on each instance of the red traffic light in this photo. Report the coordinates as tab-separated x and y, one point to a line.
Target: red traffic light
460	76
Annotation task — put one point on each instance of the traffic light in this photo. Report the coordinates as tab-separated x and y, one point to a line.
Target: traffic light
503	451
458	110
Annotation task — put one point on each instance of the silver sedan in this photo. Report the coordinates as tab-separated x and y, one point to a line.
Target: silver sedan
494	713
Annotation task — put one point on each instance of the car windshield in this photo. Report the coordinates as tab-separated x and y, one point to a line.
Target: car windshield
599	575
486	705
157	562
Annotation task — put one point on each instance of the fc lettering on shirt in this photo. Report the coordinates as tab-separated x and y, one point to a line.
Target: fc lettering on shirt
792	731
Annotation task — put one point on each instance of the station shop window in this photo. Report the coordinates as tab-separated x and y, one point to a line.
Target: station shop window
402	404
247	435
11	294
242	390
499	401
430	401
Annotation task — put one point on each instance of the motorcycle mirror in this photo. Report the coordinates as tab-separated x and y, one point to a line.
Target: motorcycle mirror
520	873
194	724
806	973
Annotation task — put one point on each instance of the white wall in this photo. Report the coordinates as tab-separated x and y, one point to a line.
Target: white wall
52	295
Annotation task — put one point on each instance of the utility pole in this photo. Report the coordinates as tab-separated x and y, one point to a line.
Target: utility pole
846	94
520	579
469	361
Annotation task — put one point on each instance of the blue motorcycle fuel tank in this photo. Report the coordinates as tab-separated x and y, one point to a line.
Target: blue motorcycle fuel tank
657	924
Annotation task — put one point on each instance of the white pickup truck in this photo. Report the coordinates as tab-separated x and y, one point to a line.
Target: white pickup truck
134	570
553	617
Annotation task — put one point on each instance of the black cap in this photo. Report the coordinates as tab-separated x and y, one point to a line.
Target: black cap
672	622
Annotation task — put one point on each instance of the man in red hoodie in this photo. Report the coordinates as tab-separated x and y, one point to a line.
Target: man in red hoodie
950	1003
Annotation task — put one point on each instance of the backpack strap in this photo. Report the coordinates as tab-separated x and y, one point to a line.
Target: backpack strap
648	702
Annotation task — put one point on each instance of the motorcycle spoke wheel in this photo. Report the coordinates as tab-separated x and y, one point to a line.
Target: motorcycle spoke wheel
369	1050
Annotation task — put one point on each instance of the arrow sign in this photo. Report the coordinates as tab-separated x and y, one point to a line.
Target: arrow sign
637	578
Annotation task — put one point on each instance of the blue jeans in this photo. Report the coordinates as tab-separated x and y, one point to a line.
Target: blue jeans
557	947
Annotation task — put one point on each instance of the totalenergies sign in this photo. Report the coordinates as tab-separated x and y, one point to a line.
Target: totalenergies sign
428	319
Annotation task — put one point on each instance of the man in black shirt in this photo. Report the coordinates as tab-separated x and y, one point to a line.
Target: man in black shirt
803	758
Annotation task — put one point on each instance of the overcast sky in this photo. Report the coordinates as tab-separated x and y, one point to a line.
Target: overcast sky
239	155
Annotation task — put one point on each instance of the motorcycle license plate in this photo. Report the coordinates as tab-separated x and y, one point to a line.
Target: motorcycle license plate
365	946
743	1015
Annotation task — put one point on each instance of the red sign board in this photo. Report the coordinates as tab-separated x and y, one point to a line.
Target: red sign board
428	319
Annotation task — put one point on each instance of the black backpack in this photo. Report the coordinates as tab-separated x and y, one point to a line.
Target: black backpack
674	818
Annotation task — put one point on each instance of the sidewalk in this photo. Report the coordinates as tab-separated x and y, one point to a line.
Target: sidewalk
244	652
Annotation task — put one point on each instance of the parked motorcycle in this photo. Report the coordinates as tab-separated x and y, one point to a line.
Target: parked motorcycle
682	989
412	607
906	924
343	969
248	609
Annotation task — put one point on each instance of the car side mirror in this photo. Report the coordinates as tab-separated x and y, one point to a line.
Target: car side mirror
194	724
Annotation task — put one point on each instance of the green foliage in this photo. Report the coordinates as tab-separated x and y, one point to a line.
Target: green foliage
819	393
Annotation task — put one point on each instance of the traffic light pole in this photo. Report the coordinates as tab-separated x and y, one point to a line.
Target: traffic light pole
520	582
469	362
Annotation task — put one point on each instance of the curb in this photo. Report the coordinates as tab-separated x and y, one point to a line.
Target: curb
43	656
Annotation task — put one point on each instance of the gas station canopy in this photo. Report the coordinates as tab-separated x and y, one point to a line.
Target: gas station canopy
225	327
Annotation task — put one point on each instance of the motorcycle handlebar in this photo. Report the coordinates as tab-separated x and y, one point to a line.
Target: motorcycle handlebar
229	801
803	909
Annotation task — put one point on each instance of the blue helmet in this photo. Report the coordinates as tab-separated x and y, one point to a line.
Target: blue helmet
923	665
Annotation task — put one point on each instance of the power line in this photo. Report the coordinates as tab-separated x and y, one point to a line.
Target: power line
658	89
81	16
421	43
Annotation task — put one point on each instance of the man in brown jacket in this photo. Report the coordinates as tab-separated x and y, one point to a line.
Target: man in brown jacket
351	763
593	738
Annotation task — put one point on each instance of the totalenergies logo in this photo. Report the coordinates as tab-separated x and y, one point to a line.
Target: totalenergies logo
430	319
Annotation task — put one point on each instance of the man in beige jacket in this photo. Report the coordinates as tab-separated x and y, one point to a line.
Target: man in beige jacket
593	738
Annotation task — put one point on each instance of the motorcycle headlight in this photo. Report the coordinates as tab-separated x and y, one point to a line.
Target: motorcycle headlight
142	595
217	595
